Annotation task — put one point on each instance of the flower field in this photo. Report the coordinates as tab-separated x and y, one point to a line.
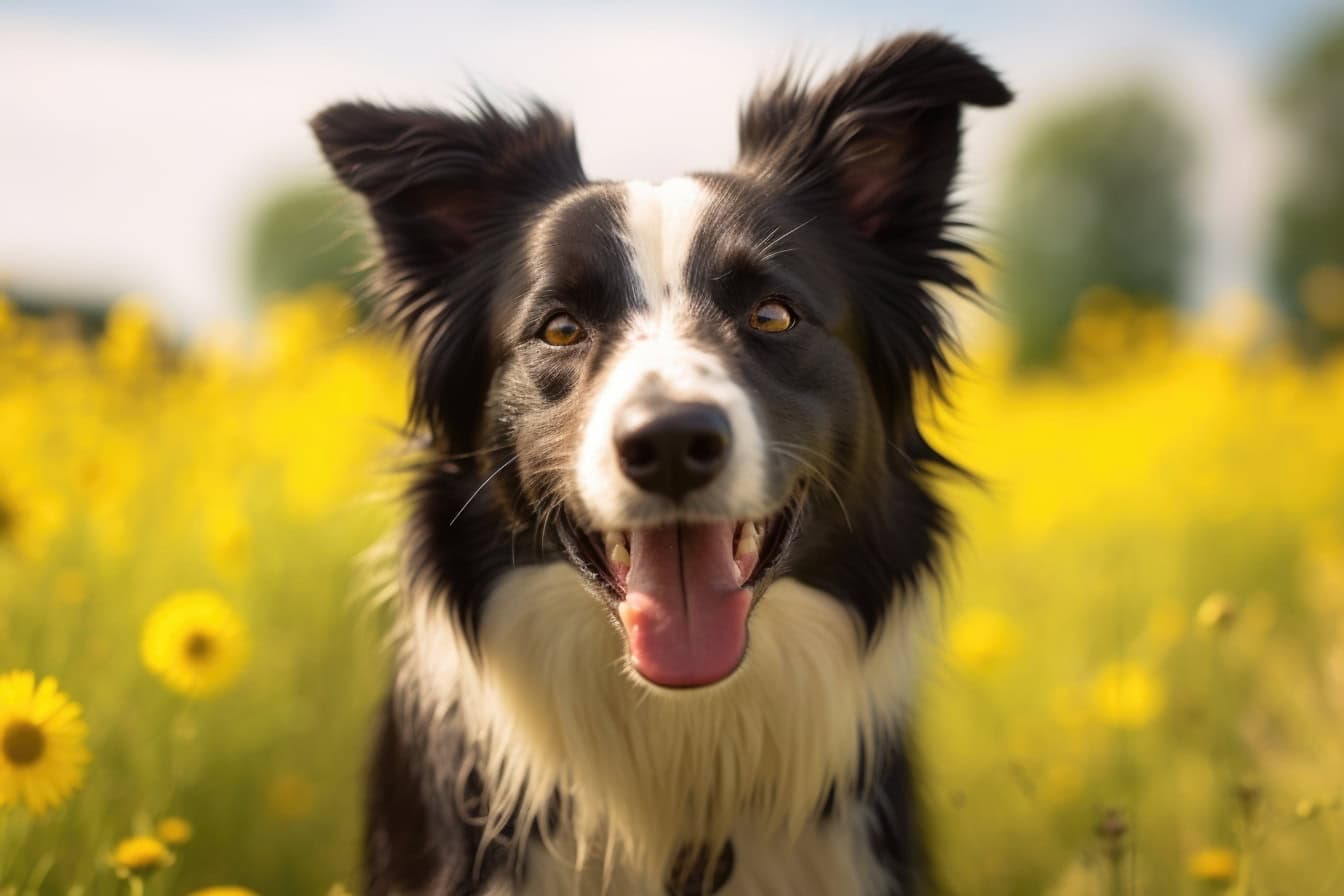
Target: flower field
1137	684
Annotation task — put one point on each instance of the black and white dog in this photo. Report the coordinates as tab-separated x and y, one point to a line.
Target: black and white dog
661	599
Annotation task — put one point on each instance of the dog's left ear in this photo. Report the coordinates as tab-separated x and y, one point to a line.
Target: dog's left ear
880	137
876	146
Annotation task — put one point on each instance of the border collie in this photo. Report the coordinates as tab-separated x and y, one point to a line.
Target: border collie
661	590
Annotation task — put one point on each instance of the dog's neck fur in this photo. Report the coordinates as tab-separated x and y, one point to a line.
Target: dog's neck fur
617	777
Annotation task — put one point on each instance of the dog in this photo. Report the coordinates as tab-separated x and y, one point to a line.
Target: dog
662	580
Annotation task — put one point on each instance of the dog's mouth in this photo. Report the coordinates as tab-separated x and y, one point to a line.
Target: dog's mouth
683	590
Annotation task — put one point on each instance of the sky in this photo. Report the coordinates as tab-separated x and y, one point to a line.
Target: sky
137	137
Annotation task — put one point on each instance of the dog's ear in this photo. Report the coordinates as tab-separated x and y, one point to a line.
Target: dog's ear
448	194
880	138
875	147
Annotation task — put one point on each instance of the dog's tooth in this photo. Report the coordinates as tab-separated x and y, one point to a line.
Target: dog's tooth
611	539
618	555
747	542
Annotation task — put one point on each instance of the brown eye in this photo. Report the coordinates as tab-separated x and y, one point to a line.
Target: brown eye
772	316
562	329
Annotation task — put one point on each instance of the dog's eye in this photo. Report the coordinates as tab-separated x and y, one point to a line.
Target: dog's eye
772	316
561	329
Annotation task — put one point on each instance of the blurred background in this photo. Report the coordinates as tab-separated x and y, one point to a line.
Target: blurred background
1138	685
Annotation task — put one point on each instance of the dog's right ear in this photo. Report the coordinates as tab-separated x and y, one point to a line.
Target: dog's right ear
448	193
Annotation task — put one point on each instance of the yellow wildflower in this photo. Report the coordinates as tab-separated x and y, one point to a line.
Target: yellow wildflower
195	642
1127	695
1215	611
173	830
1215	865
223	891
130	339
981	638
42	751
140	855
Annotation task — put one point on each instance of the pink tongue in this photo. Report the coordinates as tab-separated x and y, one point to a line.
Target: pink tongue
684	614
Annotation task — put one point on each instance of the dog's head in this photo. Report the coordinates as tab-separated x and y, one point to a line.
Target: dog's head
695	385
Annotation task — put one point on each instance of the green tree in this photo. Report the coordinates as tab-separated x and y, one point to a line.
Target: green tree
1095	197
303	235
1307	242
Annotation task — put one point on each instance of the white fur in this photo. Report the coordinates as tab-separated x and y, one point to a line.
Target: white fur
665	366
659	359
642	771
661	221
832	857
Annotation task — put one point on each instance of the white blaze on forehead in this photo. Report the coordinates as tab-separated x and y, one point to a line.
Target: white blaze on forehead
661	223
658	357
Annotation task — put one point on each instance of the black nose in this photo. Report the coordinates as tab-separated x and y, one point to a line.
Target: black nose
673	449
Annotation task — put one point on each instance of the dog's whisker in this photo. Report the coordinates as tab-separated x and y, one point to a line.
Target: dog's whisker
819	476
765	249
481	487
821	456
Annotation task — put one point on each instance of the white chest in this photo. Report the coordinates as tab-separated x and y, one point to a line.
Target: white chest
832	857
639	773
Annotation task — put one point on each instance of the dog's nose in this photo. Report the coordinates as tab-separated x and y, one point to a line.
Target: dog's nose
673	449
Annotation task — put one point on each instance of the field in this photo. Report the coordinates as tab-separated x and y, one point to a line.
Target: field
1136	686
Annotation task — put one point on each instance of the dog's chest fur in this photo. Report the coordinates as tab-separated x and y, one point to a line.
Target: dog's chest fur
617	780
830	856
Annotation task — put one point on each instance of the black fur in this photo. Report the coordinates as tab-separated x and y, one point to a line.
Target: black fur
488	225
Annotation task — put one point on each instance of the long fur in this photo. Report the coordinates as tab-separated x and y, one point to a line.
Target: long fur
520	753
636	775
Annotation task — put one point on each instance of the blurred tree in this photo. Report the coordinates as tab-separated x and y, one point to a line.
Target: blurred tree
1095	198
84	309
1307	245
303	235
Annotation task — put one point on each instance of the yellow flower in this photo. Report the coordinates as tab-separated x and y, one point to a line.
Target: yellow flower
1215	612
980	638
1127	695
140	855
174	831
223	891
42	751
129	343
1215	864
195	642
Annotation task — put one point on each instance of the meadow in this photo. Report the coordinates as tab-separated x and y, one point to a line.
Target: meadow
1136	683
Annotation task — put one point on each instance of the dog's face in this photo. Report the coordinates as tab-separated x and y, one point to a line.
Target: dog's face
697	385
